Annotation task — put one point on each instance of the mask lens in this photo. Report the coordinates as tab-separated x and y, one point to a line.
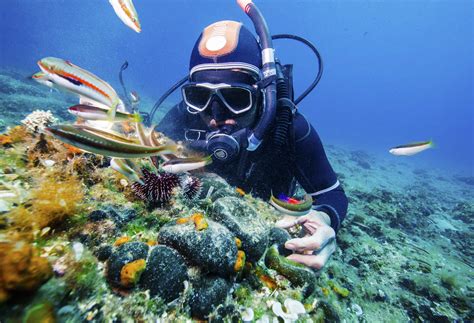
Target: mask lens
237	98
196	96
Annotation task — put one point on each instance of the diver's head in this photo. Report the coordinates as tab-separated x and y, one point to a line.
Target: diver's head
224	71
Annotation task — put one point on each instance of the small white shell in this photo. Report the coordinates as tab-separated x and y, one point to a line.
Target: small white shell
247	315
48	162
78	249
287	317
294	306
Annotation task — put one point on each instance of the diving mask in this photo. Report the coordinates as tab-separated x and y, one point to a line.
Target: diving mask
237	98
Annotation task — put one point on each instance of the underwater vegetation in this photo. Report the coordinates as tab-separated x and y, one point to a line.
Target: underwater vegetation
80	242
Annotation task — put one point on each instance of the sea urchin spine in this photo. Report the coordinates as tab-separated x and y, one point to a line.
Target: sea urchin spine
157	188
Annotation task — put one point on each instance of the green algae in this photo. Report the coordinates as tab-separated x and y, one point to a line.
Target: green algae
298	274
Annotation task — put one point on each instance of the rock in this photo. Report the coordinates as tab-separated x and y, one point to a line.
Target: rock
123	255
212	249
120	216
208	292
95	233
245	223
299	275
279	236
215	187
103	252
165	273
97	215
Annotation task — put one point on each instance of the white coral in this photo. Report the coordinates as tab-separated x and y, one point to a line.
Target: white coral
37	120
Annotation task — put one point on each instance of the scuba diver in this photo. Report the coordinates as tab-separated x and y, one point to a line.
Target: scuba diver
243	114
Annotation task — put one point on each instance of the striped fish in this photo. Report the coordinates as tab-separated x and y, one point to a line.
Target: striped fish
89	112
125	10
94	143
126	168
67	76
181	165
411	149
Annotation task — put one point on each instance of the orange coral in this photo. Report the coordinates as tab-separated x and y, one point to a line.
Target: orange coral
199	221
240	191
121	241
182	220
240	261
71	150
238	242
5	140
21	269
131	272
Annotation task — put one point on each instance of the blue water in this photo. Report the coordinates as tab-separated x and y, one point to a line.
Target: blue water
395	71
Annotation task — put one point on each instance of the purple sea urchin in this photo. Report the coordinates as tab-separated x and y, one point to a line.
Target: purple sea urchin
191	187
157	188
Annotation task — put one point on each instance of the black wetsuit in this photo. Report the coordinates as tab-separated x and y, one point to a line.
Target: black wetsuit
264	172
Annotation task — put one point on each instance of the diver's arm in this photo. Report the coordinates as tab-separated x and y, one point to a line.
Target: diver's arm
315	174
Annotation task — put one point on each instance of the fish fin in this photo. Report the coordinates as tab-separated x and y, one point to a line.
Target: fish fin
137	117
208	159
90	102
111	113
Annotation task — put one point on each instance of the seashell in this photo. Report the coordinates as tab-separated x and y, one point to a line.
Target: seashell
48	162
78	250
247	315
294	306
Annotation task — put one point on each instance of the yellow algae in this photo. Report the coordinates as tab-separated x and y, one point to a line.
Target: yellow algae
240	261
18	134
325	291
341	291
121	241
131	272
54	200
43	313
238	242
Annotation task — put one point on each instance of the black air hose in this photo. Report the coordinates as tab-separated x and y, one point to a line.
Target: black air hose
284	116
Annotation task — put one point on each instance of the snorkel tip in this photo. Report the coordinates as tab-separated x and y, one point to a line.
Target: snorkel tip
243	4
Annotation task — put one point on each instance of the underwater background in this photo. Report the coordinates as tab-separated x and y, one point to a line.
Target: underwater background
395	72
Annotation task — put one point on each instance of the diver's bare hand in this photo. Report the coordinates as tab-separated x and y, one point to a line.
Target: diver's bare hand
318	242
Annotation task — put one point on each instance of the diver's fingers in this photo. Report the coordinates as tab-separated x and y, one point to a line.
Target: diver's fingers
287	222
312	242
315	261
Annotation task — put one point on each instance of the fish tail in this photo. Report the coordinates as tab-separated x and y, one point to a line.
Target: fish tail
431	143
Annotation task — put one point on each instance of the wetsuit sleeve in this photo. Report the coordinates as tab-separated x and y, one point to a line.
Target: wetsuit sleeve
315	174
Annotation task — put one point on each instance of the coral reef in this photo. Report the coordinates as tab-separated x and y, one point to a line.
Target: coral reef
404	251
38	120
